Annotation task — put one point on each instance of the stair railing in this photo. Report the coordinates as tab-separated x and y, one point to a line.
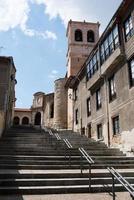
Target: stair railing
69	146
117	176
90	161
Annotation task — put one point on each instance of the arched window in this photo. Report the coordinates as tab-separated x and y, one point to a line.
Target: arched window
90	36
37	120
52	110
78	35
16	121
25	121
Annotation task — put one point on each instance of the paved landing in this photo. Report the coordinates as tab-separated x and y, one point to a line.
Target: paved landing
100	196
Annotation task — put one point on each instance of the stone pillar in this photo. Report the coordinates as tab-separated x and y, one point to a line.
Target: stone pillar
60	104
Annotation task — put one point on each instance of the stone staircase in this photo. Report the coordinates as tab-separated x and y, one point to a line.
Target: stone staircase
35	162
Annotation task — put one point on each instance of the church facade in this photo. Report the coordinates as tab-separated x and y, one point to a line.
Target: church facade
96	97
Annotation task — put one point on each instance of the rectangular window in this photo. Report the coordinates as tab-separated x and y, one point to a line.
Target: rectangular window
92	67
131	72
75	94
99	131
115	37
112	89
128	28
98	99
110	43
76	116
116	127
88	107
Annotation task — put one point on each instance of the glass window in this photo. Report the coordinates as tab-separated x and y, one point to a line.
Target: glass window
110	43
131	72
98	99
112	88
128	28
92	67
76	116
115	37
75	94
116	127
102	54
106	48
99	131
88	107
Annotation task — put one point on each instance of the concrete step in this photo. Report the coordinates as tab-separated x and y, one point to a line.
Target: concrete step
58	189
33	163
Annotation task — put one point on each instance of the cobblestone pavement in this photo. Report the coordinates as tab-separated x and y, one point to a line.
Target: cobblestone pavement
98	196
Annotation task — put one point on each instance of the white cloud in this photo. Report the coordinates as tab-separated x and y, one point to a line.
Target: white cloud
53	74
45	35
68	9
80	10
14	13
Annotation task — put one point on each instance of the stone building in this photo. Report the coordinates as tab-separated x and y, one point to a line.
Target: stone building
82	37
48	110
7	91
96	97
103	90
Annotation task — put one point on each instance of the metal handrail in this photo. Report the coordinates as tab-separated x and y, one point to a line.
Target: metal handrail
57	136
122	180
68	144
90	162
86	155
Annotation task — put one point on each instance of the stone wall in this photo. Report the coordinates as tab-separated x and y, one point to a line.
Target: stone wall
60	104
2	123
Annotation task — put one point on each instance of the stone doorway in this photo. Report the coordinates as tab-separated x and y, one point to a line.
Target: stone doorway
25	121
37	120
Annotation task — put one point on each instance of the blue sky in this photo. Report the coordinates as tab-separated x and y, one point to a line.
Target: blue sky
34	33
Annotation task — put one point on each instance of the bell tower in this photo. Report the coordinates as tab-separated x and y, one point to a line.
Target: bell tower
82	37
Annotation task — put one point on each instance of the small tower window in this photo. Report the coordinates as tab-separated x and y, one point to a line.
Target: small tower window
90	36
78	35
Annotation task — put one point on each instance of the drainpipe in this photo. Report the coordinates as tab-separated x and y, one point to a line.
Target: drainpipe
107	109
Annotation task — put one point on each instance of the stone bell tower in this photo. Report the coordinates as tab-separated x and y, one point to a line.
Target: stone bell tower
82	37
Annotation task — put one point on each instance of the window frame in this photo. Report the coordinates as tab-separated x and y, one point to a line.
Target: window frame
76	116
116	125
88	106
131	73
75	94
111	84
127	25
93	65
109	44
98	99
99	127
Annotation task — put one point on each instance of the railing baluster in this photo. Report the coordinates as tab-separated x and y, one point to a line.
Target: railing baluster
89	177
113	187
116	175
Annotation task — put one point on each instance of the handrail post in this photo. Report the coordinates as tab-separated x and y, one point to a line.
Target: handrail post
81	163
69	158
89	177
113	187
132	197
